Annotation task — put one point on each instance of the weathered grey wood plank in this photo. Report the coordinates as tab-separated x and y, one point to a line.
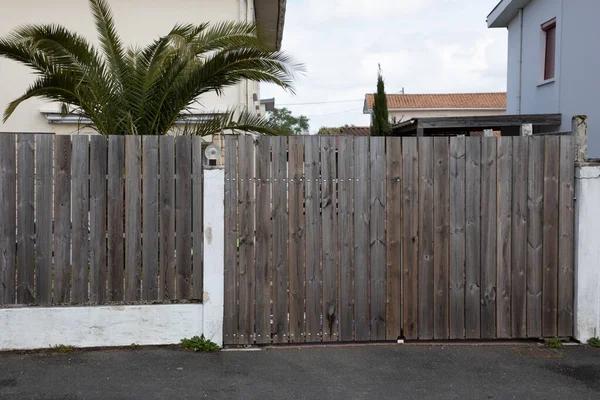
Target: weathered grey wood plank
150	218
426	238
519	238
377	204
8	217
166	272
133	218
394	238
473	238
62	219
346	235
550	236
183	216
263	241
566	222
410	238
98	249
313	239
80	216
504	243
280	331
330	238
25	214
457	237
488	236
535	210
43	218
361	238
441	237
246	241
115	200
197	219
231	241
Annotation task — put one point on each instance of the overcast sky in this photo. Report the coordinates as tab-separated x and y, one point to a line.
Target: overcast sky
425	46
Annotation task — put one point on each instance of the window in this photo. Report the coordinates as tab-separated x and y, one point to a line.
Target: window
549	29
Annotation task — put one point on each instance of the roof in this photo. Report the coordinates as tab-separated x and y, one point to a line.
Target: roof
504	12
270	16
355	130
450	101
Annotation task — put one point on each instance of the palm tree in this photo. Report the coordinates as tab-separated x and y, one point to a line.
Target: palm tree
131	91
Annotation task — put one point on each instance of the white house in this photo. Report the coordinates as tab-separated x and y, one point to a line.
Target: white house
139	22
404	107
553	61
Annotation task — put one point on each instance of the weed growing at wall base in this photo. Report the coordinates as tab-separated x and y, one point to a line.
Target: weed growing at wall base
199	344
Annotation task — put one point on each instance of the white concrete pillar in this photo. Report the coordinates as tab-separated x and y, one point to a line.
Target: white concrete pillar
214	251
587	254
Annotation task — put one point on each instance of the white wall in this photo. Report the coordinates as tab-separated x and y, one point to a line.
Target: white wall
576	89
138	21
410	114
587	256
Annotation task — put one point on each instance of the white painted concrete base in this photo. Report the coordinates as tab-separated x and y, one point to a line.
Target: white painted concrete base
41	327
587	254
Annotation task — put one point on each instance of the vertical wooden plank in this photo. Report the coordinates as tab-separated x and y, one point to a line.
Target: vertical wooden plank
166	273
183	216
231	241
330	238
262	233
457	237
281	328
535	204
197	219
377	204
410	238
361	238
150	218
79	201
473	238
346	229
313	239
133	250
43	218
8	217
115	198
62	219
426	238
488	236
246	241
98	145
441	238
25	214
550	236
393	218
296	234
519	239
504	227
567	241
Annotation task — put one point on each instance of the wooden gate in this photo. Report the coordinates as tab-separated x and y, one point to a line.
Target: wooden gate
369	239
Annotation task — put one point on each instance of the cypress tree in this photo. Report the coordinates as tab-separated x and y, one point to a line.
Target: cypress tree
380	123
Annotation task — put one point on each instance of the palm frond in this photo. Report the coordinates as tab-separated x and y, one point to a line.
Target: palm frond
235	122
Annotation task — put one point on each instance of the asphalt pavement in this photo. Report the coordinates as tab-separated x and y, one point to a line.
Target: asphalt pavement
349	372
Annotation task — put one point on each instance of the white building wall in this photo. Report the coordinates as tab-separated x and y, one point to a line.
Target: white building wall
405	115
138	21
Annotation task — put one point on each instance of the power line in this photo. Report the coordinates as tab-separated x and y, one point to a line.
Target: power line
321	102
333	113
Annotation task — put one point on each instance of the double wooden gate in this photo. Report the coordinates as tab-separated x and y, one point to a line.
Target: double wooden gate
367	239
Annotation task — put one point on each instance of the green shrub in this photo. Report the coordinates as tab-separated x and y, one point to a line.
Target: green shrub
199	344
594	342
553	343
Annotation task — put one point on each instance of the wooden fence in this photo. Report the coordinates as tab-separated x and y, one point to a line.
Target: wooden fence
86	219
358	239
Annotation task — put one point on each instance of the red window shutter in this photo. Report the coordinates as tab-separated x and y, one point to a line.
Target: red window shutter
550	61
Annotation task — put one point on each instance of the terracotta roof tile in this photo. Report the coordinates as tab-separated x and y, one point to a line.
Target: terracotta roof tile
356	130
442	101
